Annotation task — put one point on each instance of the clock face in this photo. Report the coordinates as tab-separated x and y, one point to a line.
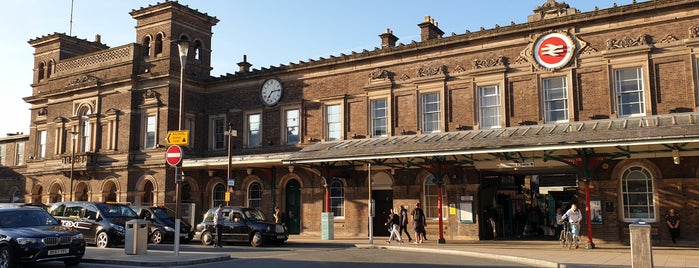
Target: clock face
271	92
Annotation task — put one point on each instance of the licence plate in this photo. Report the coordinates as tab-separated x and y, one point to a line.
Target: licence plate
59	251
185	236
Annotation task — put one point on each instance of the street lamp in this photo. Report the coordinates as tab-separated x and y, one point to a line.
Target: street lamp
183	47
73	135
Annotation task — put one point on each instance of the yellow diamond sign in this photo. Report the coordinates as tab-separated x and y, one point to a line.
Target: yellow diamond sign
177	137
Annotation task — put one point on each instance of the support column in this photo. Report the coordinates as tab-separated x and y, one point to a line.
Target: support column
588	214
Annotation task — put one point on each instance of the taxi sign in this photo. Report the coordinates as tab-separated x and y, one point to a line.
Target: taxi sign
177	137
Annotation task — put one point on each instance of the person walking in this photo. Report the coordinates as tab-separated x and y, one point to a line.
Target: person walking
394	224
673	222
419	221
574	216
218	222
404	223
279	216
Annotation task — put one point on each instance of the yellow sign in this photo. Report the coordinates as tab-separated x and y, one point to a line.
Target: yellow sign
177	137
227	197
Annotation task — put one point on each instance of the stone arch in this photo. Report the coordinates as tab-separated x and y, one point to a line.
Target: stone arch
82	191
191	191
147	191
110	190
15	195
56	192
197	49
208	199
146	43
656	176
290	176
41	69
158	44
37	194
382	181
423	175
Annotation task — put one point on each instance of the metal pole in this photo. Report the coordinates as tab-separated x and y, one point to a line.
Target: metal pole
72	166
228	173
371	217
588	215
183	48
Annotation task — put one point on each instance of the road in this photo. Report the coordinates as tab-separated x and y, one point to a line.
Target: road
295	255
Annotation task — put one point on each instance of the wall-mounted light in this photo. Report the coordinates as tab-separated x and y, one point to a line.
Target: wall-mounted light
676	156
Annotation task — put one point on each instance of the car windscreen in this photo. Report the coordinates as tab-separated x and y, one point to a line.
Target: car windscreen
26	218
116	211
254	215
163	213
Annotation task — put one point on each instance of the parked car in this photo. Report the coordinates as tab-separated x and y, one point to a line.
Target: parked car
162	224
29	234
242	225
102	224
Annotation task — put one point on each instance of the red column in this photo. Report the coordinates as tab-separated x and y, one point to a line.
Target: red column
327	198
588	215
439	214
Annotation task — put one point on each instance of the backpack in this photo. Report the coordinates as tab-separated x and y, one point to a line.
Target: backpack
418	215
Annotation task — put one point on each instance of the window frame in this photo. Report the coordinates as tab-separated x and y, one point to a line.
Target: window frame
545	100
19	153
497	107
624	194
327	124
3	155
41	143
639	91
249	128
337	199
250	199
286	130
424	112
218	192
213	134
375	120
428	198
146	131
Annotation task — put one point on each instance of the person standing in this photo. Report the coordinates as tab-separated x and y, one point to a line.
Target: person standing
279	216
559	222
420	222
394	224
404	223
574	216
520	221
218	222
673	222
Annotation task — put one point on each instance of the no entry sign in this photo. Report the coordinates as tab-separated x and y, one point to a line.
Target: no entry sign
173	156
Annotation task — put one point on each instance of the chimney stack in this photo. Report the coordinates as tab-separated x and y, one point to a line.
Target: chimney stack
429	29
98	39
244	65
388	39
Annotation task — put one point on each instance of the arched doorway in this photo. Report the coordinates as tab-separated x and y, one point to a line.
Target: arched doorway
55	193
109	192
36	194
147	199
81	192
382	193
293	206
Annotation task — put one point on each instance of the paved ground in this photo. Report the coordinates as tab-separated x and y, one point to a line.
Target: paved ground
533	253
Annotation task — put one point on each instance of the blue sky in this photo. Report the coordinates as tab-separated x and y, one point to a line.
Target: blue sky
269	32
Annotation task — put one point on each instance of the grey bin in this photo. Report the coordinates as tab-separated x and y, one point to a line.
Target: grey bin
136	240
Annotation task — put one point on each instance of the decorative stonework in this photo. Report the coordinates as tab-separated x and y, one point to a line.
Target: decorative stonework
430	71
90	60
588	50
521	60
380	74
552	51
694	32
480	64
42	111
459	69
668	39
628	42
404	77
84	79
150	94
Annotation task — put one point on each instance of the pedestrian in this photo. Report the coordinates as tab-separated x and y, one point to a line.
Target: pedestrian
279	216
404	223
673	222
218	222
393	224
492	218
420	222
559	222
520	221
574	216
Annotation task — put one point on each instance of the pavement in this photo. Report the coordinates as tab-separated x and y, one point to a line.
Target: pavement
540	253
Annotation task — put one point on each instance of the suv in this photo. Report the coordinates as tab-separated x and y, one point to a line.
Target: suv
29	234
246	225
162	224
102	224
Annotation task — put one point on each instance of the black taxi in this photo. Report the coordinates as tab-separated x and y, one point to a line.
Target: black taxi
242	225
102	224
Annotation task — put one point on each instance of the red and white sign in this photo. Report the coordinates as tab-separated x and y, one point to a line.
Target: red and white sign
553	50
173	155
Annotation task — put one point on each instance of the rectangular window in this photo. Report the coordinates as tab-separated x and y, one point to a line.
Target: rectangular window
292	126
430	113
629	92
149	139
2	155
334	122
379	118
254	131
41	150
556	100
189	124
489	106
19	154
218	136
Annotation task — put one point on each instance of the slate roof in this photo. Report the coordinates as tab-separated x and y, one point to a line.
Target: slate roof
649	130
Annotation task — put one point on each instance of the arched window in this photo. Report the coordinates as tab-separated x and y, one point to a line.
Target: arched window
255	195
109	193
49	69
637	194
146	47
147	194
158	44
85	130
16	197
431	197
186	193
337	198
42	70
197	50
219	194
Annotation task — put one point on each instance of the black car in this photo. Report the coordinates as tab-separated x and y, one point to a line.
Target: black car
102	224
29	234
243	225
162	224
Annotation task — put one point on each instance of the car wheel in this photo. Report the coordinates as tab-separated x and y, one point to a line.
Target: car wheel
256	239
72	262
207	239
156	237
6	260
102	240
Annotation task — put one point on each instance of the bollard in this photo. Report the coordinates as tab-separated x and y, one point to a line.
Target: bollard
641	249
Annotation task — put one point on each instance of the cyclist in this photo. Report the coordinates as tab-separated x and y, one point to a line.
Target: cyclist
574	216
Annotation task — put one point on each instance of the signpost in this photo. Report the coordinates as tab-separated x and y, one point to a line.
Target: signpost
173	155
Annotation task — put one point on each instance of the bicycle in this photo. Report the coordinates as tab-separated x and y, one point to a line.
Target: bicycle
567	238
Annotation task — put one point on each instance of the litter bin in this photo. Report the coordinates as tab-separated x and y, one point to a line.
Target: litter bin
327	224
136	240
641	248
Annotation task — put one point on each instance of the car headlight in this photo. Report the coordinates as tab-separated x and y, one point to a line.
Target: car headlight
27	241
269	228
117	227
169	229
78	237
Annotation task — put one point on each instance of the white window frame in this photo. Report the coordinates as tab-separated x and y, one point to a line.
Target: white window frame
620	93
41	143
150	127
379	117
252	126
431	201
19	153
427	110
255	202
482	107
3	155
649	193
339	208
291	127
333	123
549	100
85	130
218	194
214	135
190	126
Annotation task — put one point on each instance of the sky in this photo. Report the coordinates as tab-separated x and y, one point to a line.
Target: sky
269	32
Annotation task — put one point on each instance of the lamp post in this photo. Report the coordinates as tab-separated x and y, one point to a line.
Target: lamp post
183	48
73	135
230	133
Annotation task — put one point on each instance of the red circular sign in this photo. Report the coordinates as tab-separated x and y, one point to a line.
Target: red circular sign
553	50
173	155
